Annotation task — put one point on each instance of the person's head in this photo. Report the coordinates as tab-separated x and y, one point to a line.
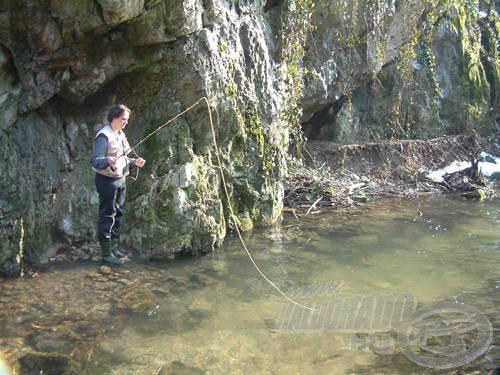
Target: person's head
118	116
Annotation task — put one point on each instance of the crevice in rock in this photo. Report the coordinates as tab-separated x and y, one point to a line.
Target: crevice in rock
271	4
9	66
323	123
100	11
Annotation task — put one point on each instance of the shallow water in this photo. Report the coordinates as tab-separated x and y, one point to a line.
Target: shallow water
215	314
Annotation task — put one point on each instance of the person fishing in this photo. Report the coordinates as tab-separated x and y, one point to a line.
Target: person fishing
112	165
110	161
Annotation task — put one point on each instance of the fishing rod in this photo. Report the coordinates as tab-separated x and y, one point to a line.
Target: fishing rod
132	149
169	121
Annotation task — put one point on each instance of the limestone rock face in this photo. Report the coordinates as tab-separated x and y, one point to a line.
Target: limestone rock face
246	72
378	70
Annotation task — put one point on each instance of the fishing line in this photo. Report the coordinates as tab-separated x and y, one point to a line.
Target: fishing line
224	185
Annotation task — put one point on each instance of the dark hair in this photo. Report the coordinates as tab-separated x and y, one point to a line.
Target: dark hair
117	111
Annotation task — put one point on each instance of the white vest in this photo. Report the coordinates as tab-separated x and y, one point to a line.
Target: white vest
118	147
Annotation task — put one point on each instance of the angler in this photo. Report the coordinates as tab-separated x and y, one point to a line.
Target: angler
112	165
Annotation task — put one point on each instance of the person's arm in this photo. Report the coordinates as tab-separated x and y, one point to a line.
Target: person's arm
99	159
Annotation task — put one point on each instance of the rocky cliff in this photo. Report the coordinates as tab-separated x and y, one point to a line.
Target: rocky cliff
270	71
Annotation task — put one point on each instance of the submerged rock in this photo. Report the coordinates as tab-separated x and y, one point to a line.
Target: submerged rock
45	364
137	299
178	367
475	194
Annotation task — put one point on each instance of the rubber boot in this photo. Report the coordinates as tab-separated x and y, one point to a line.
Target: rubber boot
107	254
115	248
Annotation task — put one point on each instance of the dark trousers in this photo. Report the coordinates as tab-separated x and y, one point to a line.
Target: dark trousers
111	204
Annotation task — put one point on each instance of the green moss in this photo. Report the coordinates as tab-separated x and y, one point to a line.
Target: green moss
255	126
182	210
471	84
244	221
295	31
491	54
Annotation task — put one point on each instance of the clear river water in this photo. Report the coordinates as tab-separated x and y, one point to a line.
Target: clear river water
396	287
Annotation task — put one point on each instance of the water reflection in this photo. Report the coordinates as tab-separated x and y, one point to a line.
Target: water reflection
215	314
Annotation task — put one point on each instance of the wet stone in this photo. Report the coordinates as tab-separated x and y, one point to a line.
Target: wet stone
109	276
44	364
136	299
178	367
51	342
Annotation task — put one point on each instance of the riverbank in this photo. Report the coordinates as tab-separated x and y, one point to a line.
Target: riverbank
338	176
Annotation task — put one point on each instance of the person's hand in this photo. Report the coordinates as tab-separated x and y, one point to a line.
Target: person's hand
112	161
140	162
